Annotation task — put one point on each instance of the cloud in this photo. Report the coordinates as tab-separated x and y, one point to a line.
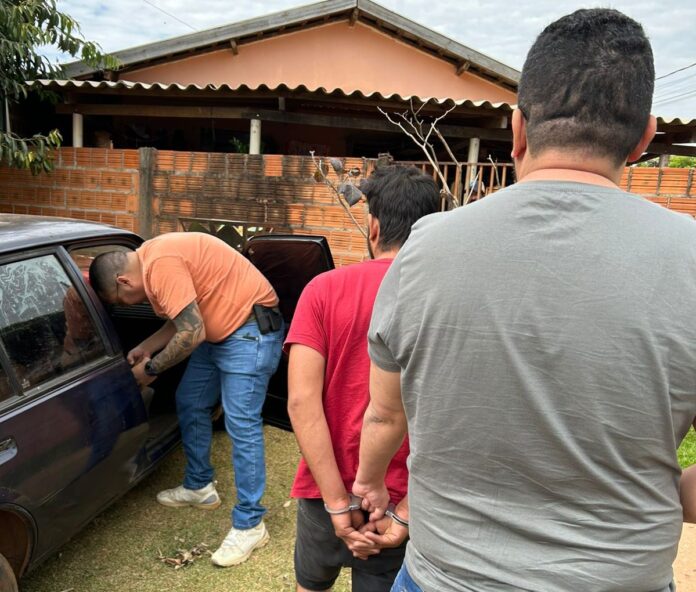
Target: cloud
501	30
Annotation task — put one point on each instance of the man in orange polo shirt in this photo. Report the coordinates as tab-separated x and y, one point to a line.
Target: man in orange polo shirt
221	312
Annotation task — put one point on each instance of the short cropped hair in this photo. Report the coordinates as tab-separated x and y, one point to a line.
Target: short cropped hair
587	85
398	196
104	269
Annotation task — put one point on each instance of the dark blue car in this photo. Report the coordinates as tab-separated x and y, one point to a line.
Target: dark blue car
75	430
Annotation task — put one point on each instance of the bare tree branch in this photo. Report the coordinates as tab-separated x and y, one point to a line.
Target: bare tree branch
337	194
495	170
414	111
422	142
454	160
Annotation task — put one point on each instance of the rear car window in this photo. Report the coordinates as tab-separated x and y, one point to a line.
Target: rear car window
5	386
44	324
84	256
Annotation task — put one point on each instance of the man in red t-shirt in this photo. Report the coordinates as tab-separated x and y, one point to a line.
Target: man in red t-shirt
328	393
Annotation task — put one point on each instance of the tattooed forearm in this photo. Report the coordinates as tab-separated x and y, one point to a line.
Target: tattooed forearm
190	331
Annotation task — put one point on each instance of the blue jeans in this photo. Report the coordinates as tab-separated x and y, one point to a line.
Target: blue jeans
404	582
239	367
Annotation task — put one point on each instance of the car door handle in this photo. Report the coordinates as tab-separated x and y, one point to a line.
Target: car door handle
8	449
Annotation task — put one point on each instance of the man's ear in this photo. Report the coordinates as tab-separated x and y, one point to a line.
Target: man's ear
645	139
519	134
123	280
372	229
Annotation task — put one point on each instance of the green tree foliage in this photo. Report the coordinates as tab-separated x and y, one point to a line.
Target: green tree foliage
682	162
675	162
25	27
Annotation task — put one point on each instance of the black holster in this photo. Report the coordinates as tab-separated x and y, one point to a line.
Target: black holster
267	319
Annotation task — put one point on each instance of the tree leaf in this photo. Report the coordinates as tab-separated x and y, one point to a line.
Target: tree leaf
350	193
337	166
25	27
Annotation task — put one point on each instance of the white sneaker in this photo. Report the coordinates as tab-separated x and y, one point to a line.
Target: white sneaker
206	498
239	544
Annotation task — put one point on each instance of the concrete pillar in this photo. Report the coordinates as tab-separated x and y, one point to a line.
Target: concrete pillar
664	161
472	159
77	130
255	137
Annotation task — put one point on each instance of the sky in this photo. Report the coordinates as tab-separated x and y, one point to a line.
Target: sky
501	29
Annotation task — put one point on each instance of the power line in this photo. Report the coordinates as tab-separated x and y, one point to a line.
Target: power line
674	92
169	14
661	87
666	93
675	97
671	99
675	71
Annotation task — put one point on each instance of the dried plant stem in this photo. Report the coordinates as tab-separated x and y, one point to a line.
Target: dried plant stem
422	140
337	194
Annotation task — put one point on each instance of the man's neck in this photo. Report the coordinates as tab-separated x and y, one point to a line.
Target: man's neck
389	254
570	167
133	265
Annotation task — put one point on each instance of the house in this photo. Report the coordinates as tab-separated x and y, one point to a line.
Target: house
219	124
306	78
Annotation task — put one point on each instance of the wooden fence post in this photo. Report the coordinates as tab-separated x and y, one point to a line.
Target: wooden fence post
148	159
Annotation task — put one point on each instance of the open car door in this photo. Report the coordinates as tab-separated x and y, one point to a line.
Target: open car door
289	262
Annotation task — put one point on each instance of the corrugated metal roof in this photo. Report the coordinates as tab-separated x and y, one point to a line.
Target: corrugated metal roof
136	87
676	121
213	88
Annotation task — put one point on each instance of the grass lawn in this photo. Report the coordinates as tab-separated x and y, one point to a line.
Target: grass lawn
119	550
687	450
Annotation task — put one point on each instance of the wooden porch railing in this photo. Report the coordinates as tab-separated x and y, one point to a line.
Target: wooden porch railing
469	182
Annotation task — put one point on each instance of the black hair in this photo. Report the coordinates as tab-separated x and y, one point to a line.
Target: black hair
398	196
587	84
103	271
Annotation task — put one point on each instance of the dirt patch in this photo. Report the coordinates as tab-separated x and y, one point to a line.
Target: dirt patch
685	565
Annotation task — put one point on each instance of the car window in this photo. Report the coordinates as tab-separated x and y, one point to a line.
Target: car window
5	386
44	324
84	256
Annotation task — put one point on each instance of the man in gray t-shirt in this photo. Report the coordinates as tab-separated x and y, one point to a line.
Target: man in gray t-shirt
543	344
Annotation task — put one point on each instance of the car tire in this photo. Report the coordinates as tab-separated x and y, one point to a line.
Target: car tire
8	582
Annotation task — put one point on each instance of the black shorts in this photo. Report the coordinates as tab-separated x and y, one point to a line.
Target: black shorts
320	555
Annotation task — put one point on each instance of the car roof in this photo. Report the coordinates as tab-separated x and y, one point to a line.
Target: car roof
18	231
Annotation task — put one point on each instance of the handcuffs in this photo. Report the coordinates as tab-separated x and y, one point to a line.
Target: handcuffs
391	512
356	504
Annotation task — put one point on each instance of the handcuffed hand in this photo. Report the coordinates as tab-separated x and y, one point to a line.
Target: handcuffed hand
375	498
346	527
385	532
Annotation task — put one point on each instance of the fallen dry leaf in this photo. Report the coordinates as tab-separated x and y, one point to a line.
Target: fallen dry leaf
184	557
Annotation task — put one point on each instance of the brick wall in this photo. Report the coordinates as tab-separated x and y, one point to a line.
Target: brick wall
270	190
87	183
672	188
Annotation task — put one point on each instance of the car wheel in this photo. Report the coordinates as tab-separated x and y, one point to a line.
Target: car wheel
8	582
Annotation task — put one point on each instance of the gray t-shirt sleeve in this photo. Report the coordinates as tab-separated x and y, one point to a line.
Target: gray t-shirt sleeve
383	315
